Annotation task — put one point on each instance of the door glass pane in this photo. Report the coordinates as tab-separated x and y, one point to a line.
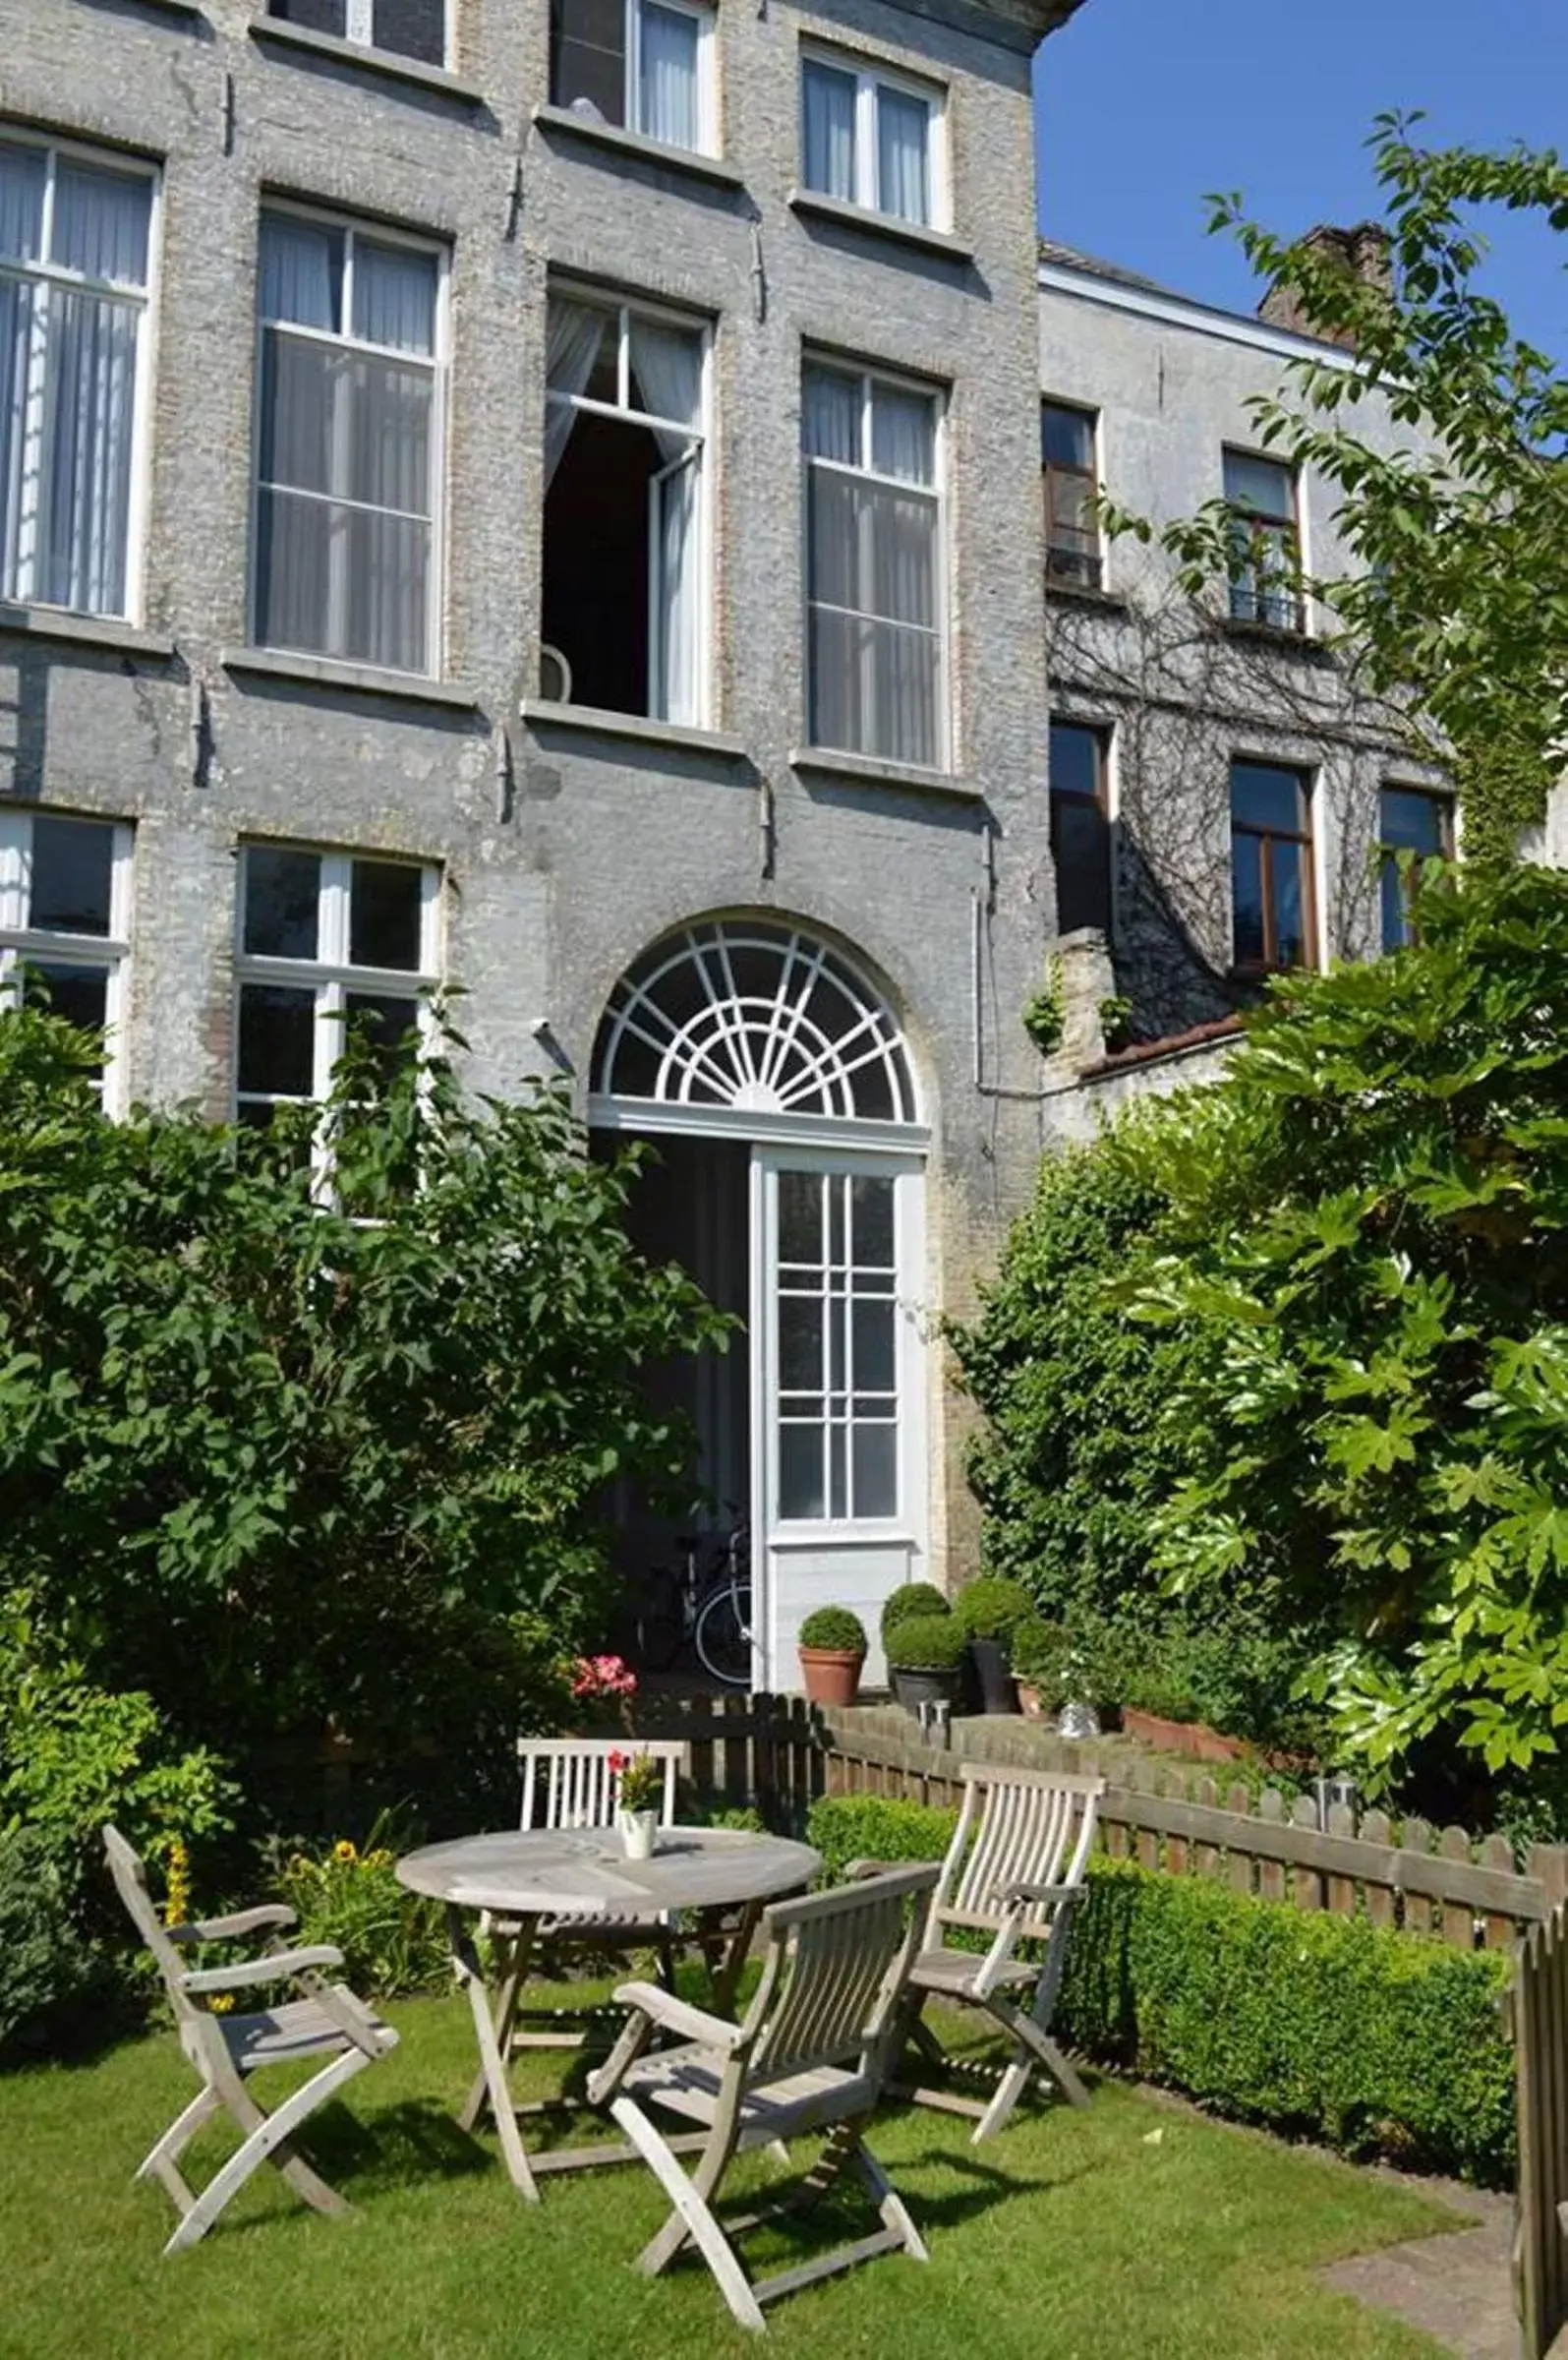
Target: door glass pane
385	915
73	864
801	1492
838	1473
799	1343
872	1197
874	1346
876	1470
277	1040
281	894
800	1217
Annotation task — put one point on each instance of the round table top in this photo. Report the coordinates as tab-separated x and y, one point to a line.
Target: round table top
569	1872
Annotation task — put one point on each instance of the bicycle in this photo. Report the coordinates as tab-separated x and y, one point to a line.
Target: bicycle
708	1610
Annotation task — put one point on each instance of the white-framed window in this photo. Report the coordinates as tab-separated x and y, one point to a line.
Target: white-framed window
872	138
351	370
1070	482
326	940
64	922
414	28
625	571
1265	540
643	65
76	267
875	595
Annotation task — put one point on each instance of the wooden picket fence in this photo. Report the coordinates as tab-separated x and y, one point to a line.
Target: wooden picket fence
1540	2004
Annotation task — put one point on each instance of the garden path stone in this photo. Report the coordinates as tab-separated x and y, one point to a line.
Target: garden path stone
1455	2287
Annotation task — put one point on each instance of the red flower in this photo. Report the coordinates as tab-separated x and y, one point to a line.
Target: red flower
618	1762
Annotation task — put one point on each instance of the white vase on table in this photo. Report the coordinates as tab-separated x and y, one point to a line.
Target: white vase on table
638	1830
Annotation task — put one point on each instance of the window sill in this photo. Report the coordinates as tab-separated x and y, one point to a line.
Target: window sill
815	206
1284	636
87	630
185	12
364	680
870	770
633	146
543	713
385	64
1083	594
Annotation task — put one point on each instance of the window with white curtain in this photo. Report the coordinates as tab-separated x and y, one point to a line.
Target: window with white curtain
414	28
350	385
327	940
871	138
75	239
625	459
65	922
643	65
874	565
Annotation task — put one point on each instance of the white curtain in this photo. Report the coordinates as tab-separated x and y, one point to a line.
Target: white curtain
666	370
302	272
668	105
575	332
828	100
67	367
394	297
902	151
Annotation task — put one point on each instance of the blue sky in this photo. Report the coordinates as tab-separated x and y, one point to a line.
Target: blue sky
1142	107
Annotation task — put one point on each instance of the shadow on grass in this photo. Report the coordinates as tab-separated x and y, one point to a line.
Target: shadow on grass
414	2140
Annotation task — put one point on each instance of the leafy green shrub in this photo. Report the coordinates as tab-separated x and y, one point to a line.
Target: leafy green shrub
46	1969
992	1607
834	1627
1041	1653
393	1941
1313	2024
913	1598
927	1644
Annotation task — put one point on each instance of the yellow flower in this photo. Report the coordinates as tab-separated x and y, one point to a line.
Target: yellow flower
220	2002
378	1859
344	1850
177	1893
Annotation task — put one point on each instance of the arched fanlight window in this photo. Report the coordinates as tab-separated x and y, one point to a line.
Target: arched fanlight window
748	1014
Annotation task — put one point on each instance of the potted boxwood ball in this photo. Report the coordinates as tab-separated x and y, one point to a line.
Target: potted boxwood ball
911	1598
925	1657
832	1648
990	1610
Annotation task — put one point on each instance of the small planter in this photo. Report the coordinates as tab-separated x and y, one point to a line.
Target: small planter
913	1686
832	1675
993	1680
1194	1738
1029	1704
638	1831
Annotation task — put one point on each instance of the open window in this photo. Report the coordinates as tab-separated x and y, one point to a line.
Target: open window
645	66
624	493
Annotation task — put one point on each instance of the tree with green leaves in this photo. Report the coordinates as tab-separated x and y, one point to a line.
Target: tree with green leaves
1457	603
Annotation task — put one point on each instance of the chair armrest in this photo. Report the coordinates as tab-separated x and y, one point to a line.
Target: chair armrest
1067	1895
856	1871
679	2016
278	1965
239	1922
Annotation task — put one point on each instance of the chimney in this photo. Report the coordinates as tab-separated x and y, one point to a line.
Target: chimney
1362	251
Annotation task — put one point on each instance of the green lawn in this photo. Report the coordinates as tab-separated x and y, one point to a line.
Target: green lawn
1126	2230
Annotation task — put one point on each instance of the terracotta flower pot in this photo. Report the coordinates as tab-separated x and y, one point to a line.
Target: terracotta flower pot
1194	1738
832	1673
1029	1701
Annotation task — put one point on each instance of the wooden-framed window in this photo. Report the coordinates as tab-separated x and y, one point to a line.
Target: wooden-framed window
414	28
1411	819
1069	482
872	138
645	66
1273	922
1080	825
65	923
1265	541
76	248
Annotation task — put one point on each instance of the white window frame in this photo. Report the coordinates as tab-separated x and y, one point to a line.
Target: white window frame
623	310
1096	418
871	377
437	362
332	974
1301	627
148	297
870	76
22	943
707	98
358	27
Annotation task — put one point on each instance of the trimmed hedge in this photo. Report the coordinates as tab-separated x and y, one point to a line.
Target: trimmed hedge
1330	2028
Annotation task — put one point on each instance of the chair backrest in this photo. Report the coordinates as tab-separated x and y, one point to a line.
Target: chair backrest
1015	1827
130	1875
568	1782
835	1969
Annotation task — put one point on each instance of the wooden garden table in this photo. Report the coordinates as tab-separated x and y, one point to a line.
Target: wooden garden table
524	1874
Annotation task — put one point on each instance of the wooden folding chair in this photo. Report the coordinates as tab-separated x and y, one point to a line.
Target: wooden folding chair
812	2056
568	1782
1014	1871
225	2050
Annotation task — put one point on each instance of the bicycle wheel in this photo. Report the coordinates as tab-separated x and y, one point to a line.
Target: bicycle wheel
660	1622
724	1634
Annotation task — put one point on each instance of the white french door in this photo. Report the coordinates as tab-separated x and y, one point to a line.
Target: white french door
838	1392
